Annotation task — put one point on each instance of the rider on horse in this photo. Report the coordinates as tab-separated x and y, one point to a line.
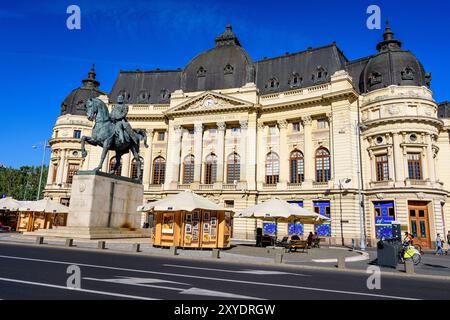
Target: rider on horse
123	129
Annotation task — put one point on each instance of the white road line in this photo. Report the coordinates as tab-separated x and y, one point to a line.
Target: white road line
48	285
215	279
255	272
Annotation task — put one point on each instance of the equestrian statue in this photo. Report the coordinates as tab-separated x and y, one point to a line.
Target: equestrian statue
113	132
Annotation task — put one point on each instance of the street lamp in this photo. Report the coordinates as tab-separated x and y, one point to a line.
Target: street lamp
346	180
45	145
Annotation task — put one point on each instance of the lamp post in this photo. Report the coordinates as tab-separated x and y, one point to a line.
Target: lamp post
358	127
346	180
44	148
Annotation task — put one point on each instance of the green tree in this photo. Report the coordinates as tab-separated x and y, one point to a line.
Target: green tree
22	183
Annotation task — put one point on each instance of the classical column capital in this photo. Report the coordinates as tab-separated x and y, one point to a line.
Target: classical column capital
221	126
261	125
330	116
150	131
177	128
243	124
283	124
307	120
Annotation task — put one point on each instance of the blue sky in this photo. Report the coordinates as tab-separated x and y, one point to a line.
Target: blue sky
41	61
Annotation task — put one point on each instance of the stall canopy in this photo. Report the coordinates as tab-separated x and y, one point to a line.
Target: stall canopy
44	205
11	204
187	201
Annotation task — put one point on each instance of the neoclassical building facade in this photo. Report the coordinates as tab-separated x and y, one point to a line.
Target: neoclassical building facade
350	139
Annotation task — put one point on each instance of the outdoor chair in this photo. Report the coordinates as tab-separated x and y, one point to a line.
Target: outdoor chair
316	243
283	243
294	245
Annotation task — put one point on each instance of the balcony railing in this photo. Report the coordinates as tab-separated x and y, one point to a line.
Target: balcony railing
320	184
293	186
184	186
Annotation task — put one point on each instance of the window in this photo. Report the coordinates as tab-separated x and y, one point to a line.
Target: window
161	136
212	131
235	130
188	169
134	173
272	168
54	173
211	169
73	169
228	69
322	124
272	84
297	167
112	164
229	204
323	172
296	127
414	166
382	167
201	72
165	94
77	134
159	170
233	168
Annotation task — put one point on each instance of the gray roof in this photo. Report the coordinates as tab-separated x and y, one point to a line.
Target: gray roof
444	110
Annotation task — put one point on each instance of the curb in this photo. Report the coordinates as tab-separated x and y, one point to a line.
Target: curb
232	262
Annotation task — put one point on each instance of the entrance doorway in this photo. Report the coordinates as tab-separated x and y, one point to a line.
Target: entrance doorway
419	223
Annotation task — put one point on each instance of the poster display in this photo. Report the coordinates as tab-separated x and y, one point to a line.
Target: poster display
167	225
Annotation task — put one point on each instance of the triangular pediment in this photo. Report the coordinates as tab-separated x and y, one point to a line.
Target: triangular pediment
209	102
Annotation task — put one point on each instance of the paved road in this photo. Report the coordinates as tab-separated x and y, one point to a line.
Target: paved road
32	272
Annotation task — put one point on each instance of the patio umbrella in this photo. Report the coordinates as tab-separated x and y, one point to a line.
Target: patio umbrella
44	205
11	204
280	210
187	201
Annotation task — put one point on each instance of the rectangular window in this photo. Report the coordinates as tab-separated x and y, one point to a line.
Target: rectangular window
73	169
235	130
77	134
382	166
322	124
296	127
229	204
161	136
414	166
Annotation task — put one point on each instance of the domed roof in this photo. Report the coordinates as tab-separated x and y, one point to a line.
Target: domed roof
393	66
227	65
75	102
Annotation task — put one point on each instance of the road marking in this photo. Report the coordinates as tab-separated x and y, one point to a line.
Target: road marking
216	279
211	293
72	289
256	272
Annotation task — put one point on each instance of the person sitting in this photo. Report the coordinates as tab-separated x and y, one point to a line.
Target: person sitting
316	240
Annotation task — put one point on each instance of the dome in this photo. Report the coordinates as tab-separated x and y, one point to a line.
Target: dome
393	66
75	102
226	66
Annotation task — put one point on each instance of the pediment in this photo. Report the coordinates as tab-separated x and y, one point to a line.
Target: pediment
209	102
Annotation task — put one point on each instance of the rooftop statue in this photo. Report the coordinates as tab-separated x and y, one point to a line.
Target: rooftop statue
113	132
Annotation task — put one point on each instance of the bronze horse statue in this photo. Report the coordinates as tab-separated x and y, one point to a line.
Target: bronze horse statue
104	134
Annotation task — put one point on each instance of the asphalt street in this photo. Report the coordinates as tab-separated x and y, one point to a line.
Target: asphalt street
33	272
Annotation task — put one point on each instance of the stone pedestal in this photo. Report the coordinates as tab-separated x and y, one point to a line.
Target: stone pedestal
102	206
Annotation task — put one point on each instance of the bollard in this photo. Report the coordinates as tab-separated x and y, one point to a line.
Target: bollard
278	258
173	250
101	245
216	253
341	263
409	267
39	240
136	247
69	243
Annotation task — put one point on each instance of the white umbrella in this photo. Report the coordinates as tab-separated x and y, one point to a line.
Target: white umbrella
187	201
11	204
44	205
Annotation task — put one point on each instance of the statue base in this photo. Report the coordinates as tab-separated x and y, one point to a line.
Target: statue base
102	206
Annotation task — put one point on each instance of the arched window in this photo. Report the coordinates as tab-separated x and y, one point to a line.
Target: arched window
323	172
159	170
188	169
295	80
201	72
133	173
272	84
211	169
233	168
112	163
272	168
297	167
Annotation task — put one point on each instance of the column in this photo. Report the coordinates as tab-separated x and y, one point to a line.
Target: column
398	160
126	165
309	152
146	179
173	157
198	151
243	149
51	172
430	159
284	152
60	172
221	161
251	152
261	169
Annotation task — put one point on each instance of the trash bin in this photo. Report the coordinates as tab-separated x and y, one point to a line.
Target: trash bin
387	252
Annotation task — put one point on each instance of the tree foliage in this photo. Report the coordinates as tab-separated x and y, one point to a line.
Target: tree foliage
22	183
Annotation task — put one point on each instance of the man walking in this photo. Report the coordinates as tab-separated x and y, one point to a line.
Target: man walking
439	250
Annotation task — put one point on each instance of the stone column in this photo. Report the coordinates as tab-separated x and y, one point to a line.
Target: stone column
198	151
146	179
126	162
261	169
398	160
309	152
243	149
251	153
50	173
173	157
430	158
284	152
60	172
221	161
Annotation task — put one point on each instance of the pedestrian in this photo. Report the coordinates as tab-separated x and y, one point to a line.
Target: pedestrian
439	250
310	239
448	237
